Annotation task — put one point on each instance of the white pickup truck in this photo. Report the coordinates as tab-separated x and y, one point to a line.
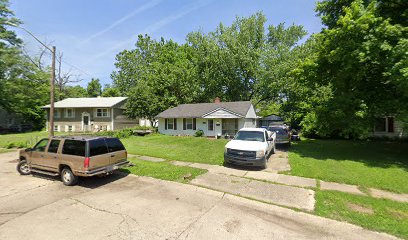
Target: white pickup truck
250	147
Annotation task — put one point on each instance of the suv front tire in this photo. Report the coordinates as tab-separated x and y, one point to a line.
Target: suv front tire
68	177
23	168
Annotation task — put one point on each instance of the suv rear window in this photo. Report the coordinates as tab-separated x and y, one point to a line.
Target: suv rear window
74	147
97	147
114	144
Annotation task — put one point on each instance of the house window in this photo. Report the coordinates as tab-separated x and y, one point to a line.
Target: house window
210	125
189	123
56	128
69	113
70	128
102	112
170	123
57	113
384	125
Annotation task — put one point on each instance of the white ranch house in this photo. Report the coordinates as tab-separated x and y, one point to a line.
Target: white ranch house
214	119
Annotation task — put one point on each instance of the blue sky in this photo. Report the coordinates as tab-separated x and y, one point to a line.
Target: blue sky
91	33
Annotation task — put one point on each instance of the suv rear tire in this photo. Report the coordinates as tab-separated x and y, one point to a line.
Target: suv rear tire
68	177
23	168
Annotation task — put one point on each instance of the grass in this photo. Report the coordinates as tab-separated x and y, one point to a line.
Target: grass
190	149
382	165
21	139
163	170
375	214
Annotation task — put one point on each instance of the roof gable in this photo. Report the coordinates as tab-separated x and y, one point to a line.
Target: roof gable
221	113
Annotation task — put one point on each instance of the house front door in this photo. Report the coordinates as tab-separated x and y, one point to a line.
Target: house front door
85	122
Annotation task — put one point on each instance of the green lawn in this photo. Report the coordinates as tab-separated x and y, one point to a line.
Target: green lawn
191	149
382	165
163	170
375	214
21	139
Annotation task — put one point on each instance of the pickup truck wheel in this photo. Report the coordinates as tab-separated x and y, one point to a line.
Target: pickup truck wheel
68	177
23	168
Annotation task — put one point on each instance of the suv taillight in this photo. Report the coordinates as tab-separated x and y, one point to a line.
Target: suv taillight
86	162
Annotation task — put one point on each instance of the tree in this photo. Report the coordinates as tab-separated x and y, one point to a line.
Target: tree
74	92
94	88
23	86
109	91
361	58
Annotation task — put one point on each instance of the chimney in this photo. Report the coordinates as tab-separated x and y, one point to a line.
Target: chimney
217	100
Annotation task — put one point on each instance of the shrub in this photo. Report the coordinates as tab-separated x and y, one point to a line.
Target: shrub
199	133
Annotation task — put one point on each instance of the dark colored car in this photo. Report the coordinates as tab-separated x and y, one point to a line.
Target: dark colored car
283	135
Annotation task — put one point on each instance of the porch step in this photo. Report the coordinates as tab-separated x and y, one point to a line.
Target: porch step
45	172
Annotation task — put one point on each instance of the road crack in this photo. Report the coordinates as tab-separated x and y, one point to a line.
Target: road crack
123	232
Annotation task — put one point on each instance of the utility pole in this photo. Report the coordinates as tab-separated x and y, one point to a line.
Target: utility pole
52	89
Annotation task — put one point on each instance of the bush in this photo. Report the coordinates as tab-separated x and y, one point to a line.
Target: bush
199	133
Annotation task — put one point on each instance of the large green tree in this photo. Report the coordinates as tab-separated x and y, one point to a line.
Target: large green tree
23	86
94	88
362	59
247	60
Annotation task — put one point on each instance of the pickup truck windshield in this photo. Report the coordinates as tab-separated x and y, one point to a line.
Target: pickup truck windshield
250	136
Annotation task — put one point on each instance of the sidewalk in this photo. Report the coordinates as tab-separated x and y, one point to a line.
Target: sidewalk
279	162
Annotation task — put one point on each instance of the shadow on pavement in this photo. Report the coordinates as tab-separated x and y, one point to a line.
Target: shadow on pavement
88	182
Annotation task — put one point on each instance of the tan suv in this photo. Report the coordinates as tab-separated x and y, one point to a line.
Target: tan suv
73	156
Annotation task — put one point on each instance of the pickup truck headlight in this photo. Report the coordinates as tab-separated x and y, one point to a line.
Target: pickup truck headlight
260	154
225	150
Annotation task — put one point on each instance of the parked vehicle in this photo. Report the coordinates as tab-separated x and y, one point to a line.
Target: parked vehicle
250	147
73	156
282	134
294	136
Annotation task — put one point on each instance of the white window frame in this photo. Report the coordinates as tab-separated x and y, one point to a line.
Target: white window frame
102	111
56	128
172	123
66	113
187	123
208	125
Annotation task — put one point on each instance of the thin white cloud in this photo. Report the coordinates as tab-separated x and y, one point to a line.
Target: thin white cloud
138	10
154	27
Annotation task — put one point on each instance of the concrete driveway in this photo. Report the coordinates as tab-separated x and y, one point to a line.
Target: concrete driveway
131	207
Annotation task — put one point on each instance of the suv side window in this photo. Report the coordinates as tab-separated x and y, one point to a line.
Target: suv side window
74	147
266	136
53	148
41	145
114	144
97	147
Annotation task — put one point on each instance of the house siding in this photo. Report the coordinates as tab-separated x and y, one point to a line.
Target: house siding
104	123
201	124
398	131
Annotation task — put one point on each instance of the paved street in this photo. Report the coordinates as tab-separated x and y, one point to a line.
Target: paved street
131	207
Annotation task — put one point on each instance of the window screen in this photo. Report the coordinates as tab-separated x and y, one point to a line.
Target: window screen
74	147
97	147
114	144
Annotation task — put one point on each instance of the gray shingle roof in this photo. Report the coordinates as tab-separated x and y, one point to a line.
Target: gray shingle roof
87	102
199	109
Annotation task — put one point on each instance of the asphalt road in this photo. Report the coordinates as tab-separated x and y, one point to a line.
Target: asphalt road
131	207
